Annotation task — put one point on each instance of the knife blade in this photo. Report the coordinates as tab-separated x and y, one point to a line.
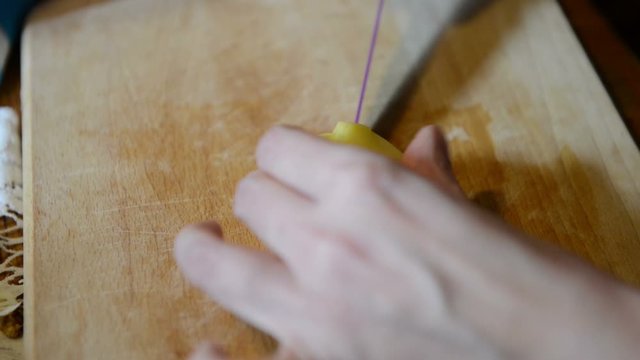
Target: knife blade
421	24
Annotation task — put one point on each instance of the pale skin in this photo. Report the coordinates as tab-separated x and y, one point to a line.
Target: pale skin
374	259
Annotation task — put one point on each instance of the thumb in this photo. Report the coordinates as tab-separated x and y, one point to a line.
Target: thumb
428	155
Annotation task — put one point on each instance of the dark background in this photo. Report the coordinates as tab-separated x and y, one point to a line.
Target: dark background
609	31
624	15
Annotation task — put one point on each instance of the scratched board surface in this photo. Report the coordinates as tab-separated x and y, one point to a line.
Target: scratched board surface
140	116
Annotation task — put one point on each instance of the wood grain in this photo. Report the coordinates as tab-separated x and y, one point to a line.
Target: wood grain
140	116
534	135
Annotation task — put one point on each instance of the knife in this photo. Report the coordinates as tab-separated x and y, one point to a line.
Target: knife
421	23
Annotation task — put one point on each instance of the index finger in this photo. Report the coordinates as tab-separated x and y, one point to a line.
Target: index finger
306	162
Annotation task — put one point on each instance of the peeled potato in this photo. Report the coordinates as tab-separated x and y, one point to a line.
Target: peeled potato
361	136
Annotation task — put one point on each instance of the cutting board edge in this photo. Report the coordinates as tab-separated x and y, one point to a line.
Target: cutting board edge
27	179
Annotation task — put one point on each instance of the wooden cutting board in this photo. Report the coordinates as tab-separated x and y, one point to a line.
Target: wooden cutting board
140	116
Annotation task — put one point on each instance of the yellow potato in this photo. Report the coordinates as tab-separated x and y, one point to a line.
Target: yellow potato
361	136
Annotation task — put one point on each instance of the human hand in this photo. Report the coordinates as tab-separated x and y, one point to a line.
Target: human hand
380	260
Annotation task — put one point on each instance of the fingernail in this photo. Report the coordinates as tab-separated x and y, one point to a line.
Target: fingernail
194	234
208	351
443	160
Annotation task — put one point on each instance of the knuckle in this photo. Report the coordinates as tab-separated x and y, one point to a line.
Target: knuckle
245	193
269	143
333	256
329	261
371	175
249	278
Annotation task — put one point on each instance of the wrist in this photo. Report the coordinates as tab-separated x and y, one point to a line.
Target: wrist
603	318
570	311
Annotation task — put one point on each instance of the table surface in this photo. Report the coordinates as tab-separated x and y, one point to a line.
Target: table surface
621	87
